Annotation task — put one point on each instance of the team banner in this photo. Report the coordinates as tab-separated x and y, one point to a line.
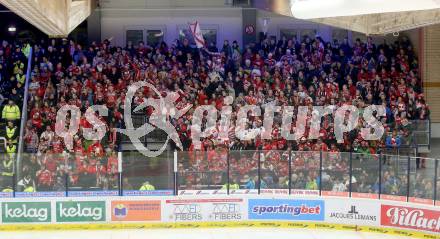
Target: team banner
353	212
26	212
195	210
144	210
285	209
410	218
80	211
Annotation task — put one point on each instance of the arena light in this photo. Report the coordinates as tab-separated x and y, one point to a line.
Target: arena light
12	29
311	9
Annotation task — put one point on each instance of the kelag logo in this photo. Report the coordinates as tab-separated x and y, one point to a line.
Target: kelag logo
26	212
81	211
280	209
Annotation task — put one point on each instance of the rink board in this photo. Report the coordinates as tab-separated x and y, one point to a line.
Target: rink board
209	211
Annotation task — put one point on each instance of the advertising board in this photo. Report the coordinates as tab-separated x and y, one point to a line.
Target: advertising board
80	211
144	210
25	212
286	209
353	212
410	218
194	210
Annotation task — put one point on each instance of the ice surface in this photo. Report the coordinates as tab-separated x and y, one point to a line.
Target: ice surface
211	233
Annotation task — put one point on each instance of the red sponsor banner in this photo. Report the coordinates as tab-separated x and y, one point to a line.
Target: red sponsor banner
136	211
335	194
365	195
421	201
393	198
410	218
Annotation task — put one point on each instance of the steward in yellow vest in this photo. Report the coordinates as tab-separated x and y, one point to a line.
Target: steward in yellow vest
11	149
147	187
231	186
6	168
11	132
11	111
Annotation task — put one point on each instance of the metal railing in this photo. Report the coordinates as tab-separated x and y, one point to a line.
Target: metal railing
344	174
24	111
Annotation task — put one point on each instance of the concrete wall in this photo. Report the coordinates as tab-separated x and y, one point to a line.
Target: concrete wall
227	22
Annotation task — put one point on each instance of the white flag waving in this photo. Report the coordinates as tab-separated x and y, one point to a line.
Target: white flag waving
197	34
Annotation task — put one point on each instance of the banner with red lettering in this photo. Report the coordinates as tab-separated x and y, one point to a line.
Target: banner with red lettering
410	218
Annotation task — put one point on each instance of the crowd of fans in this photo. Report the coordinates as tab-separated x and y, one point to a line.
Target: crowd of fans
296	73
13	61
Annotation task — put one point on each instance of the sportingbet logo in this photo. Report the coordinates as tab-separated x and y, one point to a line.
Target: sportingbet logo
413	218
286	209
26	212
281	209
81	211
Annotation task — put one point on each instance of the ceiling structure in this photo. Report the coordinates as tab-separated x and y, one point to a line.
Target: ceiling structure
56	18
373	23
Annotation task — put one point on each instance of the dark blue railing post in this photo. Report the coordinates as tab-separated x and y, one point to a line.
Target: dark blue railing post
380	174
435	180
320	173
175	182
350	187
290	171
66	183
228	172
24	113
407	179
259	170
14	182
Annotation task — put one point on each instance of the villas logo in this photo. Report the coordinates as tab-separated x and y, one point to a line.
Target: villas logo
120	210
141	210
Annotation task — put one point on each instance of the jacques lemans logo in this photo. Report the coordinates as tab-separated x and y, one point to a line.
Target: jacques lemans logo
353	214
80	211
26	212
353	210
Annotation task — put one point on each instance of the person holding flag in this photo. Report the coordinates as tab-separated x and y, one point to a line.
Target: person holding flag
197	34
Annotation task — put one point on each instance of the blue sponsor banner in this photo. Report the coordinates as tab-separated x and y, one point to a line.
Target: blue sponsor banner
105	193
6	194
148	193
284	209
39	194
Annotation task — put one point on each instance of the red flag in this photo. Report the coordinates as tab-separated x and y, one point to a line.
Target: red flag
197	34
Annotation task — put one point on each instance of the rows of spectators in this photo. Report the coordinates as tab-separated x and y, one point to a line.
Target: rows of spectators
13	61
288	72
